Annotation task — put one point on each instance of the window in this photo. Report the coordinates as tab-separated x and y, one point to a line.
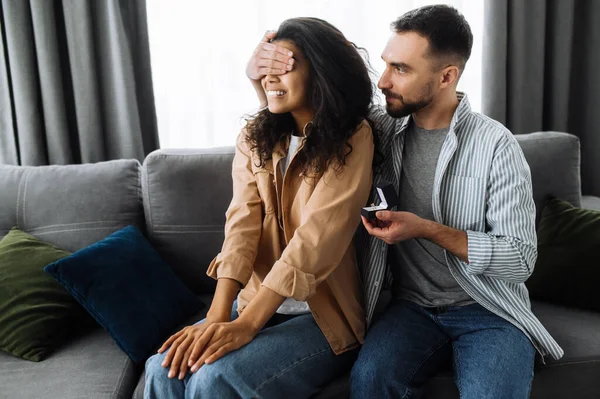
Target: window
199	56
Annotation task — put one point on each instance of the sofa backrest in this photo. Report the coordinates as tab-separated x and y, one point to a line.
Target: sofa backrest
71	206
554	160
186	194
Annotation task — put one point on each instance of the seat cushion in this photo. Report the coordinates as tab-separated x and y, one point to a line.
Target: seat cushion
90	366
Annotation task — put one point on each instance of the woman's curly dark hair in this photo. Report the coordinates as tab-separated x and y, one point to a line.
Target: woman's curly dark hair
340	94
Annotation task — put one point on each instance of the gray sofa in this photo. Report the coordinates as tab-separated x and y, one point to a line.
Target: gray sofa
179	199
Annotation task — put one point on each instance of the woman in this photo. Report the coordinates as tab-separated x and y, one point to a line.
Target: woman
302	171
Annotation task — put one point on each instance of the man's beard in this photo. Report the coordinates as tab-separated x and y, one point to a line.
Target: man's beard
404	108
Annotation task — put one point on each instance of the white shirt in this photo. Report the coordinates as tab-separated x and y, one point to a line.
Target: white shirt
291	306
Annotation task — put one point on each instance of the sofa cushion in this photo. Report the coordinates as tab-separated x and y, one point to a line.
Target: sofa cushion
554	160
36	313
71	206
186	194
91	366
125	285
567	270
575	375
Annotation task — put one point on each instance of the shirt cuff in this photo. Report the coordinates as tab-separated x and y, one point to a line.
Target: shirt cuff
230	266
290	282
479	249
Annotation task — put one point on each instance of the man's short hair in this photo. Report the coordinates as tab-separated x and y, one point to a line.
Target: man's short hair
446	29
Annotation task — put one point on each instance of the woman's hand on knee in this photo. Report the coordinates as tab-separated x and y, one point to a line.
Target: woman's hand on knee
220	339
180	345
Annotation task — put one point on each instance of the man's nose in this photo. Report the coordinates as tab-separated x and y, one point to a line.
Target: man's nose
384	81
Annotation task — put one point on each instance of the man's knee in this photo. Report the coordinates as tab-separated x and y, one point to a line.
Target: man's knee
371	372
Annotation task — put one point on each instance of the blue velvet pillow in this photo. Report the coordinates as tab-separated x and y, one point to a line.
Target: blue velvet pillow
123	282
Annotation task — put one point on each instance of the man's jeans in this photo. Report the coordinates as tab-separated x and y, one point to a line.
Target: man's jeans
290	358
409	344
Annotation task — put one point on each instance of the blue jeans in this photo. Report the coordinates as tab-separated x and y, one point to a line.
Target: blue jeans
409	344
289	358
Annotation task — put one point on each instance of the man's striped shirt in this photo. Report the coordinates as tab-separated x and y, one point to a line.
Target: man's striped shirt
482	185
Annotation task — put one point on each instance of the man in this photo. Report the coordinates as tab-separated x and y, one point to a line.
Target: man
462	242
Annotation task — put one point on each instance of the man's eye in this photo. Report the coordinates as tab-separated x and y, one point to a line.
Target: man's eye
400	69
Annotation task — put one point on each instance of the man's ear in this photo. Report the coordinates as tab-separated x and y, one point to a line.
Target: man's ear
450	76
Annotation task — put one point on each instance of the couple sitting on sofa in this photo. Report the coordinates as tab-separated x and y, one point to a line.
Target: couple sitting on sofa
456	254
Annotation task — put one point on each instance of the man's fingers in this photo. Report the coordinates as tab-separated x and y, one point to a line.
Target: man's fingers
275	51
269	35
372	229
386	216
273	64
268	71
368	225
275	48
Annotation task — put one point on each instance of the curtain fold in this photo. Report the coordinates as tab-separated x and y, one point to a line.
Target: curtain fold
75	82
538	72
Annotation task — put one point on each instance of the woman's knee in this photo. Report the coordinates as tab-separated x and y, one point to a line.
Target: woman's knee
216	380
154	368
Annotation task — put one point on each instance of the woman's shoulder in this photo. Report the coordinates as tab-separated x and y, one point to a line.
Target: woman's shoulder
363	131
242	142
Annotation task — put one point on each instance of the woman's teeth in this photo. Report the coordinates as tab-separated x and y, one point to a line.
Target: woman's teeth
275	93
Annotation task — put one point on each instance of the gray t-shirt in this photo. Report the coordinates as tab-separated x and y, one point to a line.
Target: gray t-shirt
419	266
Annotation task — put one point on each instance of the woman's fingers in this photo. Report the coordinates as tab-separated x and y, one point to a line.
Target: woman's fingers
173	349
181	349
200	344
170	341
211	347
222	351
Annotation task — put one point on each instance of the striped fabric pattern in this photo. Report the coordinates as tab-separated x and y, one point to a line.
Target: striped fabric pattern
482	185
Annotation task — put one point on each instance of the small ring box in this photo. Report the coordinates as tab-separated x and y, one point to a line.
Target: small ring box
387	197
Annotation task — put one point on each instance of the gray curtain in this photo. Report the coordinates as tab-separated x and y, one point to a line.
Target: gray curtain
75	82
540	72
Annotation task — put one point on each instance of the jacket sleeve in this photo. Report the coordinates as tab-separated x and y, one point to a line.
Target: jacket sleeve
243	226
508	250
329	222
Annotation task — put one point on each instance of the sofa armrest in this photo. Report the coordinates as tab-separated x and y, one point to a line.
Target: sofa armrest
590	202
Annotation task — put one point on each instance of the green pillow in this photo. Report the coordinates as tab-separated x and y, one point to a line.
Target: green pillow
36	312
567	270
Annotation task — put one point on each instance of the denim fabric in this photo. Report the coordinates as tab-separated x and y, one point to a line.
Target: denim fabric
289	358
409	344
